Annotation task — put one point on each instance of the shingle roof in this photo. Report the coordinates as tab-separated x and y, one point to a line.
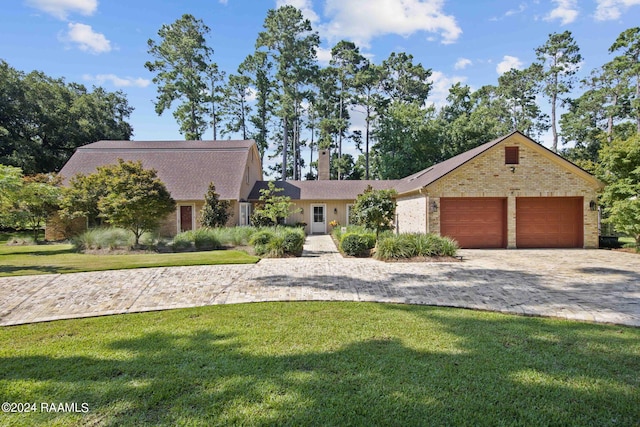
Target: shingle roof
185	167
322	190
427	176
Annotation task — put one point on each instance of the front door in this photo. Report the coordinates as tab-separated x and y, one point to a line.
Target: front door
318	219
186	218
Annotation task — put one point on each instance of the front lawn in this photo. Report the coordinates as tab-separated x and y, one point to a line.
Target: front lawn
62	258
322	364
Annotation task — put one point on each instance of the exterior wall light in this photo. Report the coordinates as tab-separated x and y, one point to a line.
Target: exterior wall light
434	206
335	211
593	206
513	169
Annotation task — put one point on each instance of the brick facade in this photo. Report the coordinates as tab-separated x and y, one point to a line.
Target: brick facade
539	173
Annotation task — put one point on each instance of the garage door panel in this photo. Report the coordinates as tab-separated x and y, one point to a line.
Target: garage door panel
549	222
474	222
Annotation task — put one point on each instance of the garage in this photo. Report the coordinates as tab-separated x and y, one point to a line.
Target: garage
549	222
475	222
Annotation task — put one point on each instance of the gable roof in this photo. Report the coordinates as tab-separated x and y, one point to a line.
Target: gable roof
185	167
433	173
322	189
428	176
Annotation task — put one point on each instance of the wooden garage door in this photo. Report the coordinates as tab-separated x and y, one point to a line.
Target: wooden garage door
475	222
549	222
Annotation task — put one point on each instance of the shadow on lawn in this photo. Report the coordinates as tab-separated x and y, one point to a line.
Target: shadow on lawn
486	371
33	269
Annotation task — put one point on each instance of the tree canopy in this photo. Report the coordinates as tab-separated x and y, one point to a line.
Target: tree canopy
43	119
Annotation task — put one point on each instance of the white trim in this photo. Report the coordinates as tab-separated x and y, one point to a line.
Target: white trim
179	219
348	208
324	210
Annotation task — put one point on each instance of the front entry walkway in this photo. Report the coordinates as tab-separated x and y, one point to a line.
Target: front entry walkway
591	285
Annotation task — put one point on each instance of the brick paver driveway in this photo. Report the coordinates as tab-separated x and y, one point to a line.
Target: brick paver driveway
591	285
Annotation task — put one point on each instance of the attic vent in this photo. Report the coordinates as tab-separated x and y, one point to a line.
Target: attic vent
418	176
511	155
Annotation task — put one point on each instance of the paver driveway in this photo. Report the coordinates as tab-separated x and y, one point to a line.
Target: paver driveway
592	285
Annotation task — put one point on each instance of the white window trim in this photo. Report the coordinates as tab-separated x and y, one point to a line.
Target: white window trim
348	212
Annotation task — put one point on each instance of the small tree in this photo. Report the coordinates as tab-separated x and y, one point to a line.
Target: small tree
136	199
38	199
123	194
215	212
10	184
274	207
621	164
375	209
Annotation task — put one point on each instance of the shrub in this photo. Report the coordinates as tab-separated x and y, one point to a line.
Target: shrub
355	244
275	247
402	246
261	237
293	241
206	239
183	241
449	247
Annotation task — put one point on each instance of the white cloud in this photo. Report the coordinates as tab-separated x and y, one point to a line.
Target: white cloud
566	11
323	55
511	12
116	81
61	8
224	1
507	63
361	21
86	39
441	86
462	63
304	5
608	10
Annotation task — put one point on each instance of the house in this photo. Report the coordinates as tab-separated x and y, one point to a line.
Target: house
186	168
508	193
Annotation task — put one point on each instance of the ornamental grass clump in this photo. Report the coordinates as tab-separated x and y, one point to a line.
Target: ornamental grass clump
104	238
411	245
396	247
183	242
206	239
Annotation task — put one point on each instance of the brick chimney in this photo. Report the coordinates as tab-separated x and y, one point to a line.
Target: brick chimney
323	165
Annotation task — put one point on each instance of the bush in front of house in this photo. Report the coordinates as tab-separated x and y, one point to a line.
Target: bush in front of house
408	245
278	242
356	244
206	239
396	247
294	241
183	242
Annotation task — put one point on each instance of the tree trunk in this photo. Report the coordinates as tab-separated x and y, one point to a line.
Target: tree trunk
553	123
285	146
366	138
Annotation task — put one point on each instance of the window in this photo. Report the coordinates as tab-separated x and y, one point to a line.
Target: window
511	155
349	206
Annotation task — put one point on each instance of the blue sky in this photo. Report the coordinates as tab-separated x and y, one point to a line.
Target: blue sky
473	41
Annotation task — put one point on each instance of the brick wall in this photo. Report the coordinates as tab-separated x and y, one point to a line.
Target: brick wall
411	214
538	174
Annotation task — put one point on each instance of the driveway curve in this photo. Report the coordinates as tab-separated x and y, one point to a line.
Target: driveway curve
588	285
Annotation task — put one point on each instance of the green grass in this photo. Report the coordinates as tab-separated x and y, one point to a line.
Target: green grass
323	364
61	258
